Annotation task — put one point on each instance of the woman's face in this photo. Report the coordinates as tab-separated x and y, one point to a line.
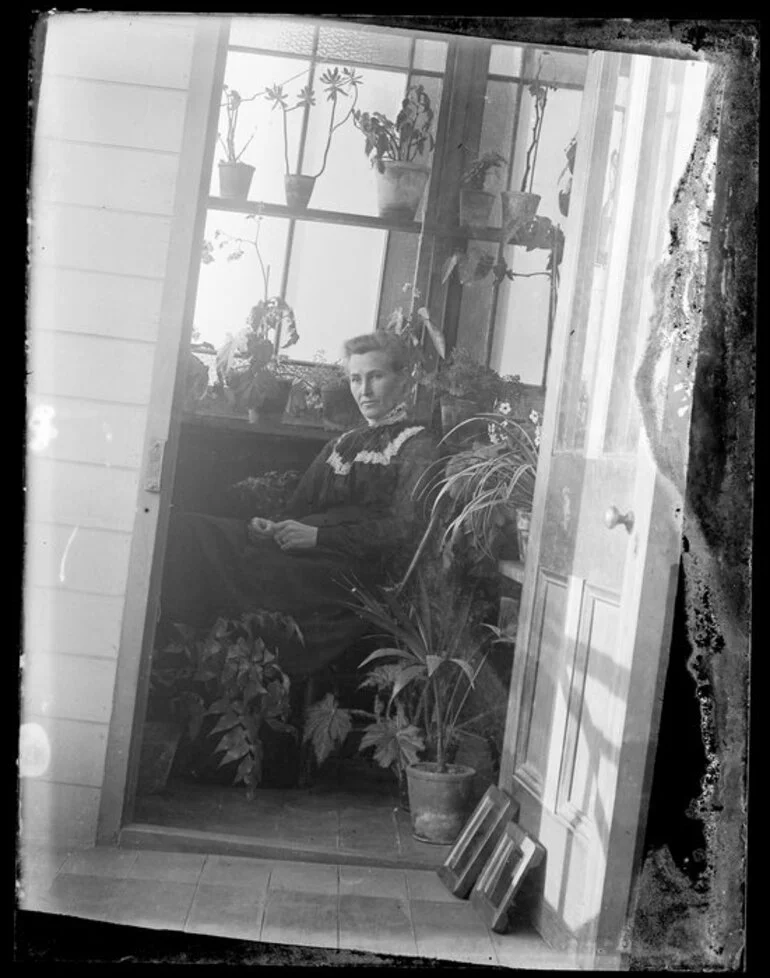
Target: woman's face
376	386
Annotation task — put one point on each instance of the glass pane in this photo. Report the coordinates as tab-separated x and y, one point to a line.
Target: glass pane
333	286
497	136
290	34
505	59
347	183
561	67
227	288
521	331
399	270
430	55
250	75
383	47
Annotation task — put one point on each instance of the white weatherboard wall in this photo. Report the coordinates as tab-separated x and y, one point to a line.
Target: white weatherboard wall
108	137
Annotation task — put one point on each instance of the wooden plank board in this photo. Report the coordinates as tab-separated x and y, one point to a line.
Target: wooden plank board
514	856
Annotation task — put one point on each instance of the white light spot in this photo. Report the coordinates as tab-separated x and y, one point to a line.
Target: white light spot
34	751
41	427
64	555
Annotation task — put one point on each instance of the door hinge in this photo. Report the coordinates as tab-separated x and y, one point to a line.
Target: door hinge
154	465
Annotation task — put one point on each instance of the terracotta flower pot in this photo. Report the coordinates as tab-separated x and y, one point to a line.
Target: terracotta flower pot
518	210
400	188
475	207
235	180
340	410
439	803
299	189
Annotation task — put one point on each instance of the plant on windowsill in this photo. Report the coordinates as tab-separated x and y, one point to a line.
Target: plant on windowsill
337	85
255	377
476	202
222	685
467	387
234	175
425	342
331	386
393	149
520	206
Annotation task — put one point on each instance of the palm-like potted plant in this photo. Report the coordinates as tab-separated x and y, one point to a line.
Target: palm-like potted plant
476	201
234	175
337	85
394	149
487	488
254	375
520	206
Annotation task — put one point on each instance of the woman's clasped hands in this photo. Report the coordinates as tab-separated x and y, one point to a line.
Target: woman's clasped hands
287	534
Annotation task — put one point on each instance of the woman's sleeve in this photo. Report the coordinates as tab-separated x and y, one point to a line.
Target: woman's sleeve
304	497
401	521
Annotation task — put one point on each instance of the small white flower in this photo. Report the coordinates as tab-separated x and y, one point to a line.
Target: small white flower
534	417
504	407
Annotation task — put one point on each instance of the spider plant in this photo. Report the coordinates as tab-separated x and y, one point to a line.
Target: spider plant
478	487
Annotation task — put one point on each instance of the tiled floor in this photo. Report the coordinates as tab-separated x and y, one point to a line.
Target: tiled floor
361	823
382	910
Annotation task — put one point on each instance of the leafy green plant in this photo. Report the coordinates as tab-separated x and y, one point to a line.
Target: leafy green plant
403	140
337	85
268	494
475	177
461	375
424	339
478	487
231	672
539	92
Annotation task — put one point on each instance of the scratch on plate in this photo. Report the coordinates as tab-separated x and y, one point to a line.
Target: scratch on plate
64	555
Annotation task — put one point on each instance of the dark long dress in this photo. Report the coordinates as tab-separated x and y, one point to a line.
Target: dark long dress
359	492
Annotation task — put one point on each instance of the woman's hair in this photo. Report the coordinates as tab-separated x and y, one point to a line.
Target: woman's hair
383	341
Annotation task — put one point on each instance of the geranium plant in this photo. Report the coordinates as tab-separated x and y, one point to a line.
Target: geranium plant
475	177
405	139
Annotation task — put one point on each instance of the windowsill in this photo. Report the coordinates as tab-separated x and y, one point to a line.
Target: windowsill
512	569
275	428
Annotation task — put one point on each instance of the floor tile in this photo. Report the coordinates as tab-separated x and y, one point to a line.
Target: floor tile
424	884
454	933
308	919
523	948
151	903
237	871
115	863
80	896
226	911
169	867
379	924
304	878
373	881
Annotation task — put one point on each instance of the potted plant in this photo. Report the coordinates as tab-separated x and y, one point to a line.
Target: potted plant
487	488
387	729
234	175
249	366
331	385
337	84
424	339
520	206
225	682
438	647
393	149
475	201
467	387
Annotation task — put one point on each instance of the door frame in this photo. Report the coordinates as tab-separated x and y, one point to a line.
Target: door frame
148	542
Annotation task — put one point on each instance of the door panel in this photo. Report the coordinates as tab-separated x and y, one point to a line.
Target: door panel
597	597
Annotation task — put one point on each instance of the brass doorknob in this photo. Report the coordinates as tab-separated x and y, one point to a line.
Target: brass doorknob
613	517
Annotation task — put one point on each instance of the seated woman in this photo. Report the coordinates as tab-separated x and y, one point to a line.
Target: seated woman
352	519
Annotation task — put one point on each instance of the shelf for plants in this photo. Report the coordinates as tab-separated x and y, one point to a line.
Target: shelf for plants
513	569
275	429
344	218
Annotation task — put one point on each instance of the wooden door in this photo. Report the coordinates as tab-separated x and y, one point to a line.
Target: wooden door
600	583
